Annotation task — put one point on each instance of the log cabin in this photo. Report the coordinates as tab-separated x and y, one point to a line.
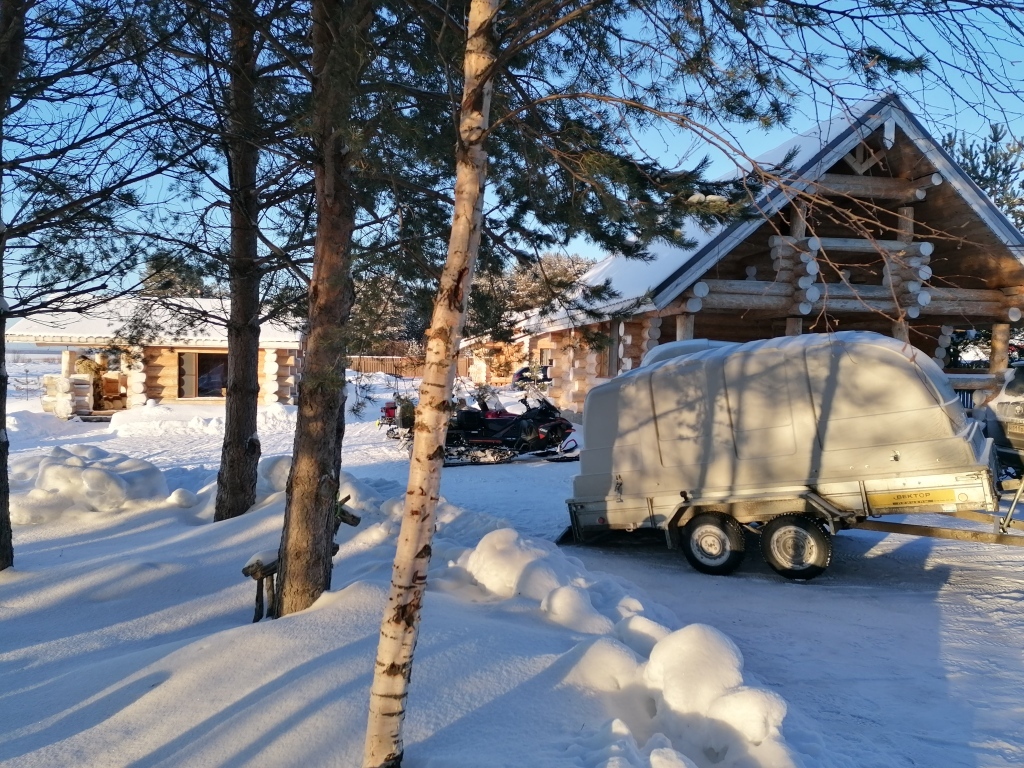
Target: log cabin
870	226
188	364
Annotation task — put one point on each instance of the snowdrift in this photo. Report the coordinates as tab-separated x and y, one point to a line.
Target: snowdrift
702	710
524	658
157	420
80	479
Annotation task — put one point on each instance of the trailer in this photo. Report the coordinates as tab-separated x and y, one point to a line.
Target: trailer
794	438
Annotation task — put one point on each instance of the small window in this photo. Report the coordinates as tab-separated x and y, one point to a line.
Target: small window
202	375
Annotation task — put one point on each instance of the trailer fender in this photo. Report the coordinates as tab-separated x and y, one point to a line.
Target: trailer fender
827	512
679	518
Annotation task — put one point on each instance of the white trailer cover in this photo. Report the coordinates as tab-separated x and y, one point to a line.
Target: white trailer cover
796	411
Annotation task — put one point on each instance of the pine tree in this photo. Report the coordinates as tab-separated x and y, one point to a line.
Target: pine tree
379	156
77	148
226	85
996	165
503	293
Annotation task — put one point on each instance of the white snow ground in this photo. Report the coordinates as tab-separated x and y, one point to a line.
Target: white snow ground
125	635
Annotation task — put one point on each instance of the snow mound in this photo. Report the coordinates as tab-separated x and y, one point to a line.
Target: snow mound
696	677
35	426
458	529
157	420
384	382
693	667
183	498
640	633
363	497
87	479
571	607
690	693
272	477
272	474
276	417
506	565
500	561
703	714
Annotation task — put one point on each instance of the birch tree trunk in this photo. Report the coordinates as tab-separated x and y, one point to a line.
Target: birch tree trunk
240	454
400	625
340	53
12	51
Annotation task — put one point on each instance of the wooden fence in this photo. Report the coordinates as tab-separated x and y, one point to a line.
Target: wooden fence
406	367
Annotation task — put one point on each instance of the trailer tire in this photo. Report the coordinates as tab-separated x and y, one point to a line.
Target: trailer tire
796	546
713	543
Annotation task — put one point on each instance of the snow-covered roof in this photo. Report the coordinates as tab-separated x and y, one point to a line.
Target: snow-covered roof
671	270
100	326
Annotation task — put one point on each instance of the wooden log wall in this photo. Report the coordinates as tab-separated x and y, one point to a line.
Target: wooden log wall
561	364
574	370
161	367
289	369
632	336
279	372
136	378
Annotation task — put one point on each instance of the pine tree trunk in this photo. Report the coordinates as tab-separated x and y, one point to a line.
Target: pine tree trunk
339	53
240	455
12	51
400	624
6	535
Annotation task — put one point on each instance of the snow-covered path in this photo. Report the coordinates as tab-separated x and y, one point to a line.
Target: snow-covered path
907	652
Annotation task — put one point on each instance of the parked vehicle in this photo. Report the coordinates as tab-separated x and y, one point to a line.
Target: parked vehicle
794	438
1003	417
491	435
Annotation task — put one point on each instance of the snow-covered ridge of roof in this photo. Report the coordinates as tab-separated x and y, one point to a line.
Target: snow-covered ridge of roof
673	269
101	325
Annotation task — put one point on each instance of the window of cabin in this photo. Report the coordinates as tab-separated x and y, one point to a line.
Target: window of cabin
202	374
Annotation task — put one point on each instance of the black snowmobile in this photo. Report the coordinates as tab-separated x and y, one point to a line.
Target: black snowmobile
489	435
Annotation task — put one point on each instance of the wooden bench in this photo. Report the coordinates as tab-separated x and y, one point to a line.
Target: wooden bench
265	574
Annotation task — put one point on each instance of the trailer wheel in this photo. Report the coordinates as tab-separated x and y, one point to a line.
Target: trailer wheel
713	543
796	546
